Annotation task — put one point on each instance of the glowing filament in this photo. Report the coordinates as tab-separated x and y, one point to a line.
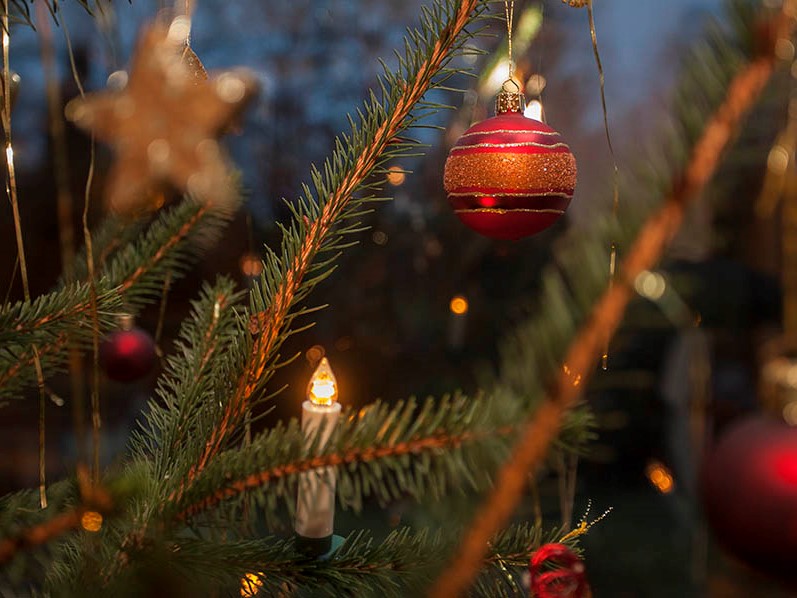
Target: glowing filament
323	387
251	265
91	521
251	584
458	305
660	477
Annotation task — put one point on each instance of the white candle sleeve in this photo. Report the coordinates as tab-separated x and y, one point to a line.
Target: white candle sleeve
315	504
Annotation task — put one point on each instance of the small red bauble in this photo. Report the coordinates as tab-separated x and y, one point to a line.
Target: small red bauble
750	494
510	176
127	355
557	572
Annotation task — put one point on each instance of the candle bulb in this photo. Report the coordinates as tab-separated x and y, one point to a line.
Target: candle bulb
315	505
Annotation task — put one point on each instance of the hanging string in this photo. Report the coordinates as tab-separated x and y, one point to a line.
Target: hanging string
65	204
616	172
96	419
509	11
187	12
11	191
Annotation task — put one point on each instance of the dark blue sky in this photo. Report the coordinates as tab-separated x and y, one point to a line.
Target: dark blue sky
637	36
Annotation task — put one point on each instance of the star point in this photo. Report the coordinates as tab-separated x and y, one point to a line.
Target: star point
164	124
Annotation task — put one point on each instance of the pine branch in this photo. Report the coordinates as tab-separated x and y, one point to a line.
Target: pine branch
108	237
606	316
50	323
400	565
19	13
47	316
21	511
41	534
317	224
132	277
384	452
177	423
139	269
447	441
380	463
69	500
17	366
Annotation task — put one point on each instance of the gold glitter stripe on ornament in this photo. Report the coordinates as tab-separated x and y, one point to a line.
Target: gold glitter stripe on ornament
507	194
512	144
510	171
508	211
525	131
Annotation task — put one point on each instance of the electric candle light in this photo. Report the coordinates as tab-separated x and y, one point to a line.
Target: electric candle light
456	330
315	505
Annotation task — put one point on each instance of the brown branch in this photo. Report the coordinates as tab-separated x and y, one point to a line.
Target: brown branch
41	534
68	312
94	498
268	327
26	359
108	250
170	243
84	306
125	285
541	429
356	455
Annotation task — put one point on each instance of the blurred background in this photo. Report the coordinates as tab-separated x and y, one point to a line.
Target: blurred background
393	329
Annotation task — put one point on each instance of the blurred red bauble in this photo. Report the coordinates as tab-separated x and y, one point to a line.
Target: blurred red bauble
510	176
557	572
750	494
127	355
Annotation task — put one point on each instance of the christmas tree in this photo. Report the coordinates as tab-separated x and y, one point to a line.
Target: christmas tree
220	492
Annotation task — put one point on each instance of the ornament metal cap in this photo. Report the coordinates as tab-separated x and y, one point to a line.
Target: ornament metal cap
126	321
510	101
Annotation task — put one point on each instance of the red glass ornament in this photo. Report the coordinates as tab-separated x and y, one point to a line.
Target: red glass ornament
127	355
510	176
557	572
749	489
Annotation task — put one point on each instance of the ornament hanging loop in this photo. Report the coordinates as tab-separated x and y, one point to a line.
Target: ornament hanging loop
512	82
509	100
509	11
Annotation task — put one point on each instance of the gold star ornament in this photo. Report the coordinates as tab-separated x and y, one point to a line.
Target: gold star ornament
165	122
